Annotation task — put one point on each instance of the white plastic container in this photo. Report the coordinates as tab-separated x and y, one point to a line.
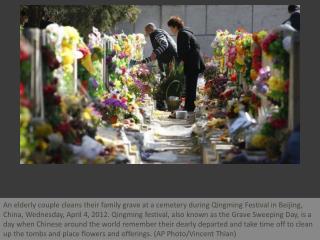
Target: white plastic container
181	114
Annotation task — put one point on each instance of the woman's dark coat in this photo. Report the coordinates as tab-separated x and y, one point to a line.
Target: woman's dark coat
189	52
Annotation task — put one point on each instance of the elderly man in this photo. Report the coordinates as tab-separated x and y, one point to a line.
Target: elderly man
164	47
164	51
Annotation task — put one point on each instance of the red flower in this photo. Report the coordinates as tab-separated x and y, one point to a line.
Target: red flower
229	64
25	102
23	53
123	70
23	56
57	100
50	58
85	51
124	100
49	89
227	93
286	87
268	40
233	77
64	128
208	84
278	123
21	89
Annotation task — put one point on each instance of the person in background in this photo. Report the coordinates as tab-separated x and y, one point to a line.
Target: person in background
189	53
23	19
164	51
164	47
294	20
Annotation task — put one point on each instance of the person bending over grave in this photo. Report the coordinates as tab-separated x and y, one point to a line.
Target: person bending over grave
164	51
188	53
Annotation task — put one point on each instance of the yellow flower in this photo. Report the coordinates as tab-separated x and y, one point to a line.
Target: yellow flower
68	68
130	80
86	114
70	35
117	48
276	84
240	59
67	58
25	116
43	130
262	34
42	145
236	109
259	141
253	74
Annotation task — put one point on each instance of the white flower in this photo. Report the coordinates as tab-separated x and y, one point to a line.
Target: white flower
54	34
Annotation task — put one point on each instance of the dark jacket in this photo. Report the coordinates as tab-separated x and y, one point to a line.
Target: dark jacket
294	20
164	46
189	52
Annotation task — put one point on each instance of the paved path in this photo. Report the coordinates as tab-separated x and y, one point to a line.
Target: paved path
171	148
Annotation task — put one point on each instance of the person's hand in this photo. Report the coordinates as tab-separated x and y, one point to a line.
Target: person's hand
153	56
171	65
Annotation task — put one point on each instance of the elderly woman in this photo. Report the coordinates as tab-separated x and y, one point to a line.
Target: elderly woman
189	53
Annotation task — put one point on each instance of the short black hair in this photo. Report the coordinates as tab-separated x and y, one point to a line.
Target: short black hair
292	8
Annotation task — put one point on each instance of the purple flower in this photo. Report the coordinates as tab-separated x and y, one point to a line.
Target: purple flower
108	60
122	55
262	87
113	102
111	84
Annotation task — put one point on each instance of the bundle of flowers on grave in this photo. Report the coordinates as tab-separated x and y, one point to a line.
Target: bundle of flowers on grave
112	107
220	48
215	89
137	80
272	45
64	40
144	81
257	38
26	136
137	42
67	122
232	51
210	71
68	126
274	85
244	57
90	70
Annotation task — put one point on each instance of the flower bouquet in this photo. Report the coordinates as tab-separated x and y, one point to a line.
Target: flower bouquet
272	45
112	108
210	71
257	53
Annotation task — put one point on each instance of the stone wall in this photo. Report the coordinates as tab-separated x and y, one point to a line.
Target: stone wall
204	20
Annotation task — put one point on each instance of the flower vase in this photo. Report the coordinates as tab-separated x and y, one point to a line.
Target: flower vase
113	119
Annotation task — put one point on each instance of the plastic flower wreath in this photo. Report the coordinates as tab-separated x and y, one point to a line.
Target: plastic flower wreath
272	45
